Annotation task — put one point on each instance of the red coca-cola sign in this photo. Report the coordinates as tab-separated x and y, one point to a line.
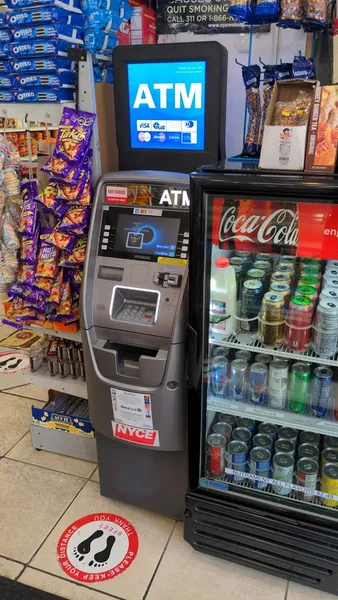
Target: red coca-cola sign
303	229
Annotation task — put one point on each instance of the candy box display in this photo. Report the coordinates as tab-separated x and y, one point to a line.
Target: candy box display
286	125
66	413
321	152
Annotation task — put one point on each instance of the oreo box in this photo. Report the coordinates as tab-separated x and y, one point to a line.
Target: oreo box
69	5
5	66
5	36
45	65
52	94
38	47
6	81
52	31
60	79
7	95
42	14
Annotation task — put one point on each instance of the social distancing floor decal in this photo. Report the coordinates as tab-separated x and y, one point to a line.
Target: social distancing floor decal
97	547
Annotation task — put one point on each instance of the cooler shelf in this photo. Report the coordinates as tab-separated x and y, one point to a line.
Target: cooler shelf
282	351
270	415
42	377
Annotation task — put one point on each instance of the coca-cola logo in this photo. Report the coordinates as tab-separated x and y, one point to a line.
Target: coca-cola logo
281	226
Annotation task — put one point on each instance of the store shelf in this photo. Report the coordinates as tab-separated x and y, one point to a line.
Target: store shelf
76	336
255	346
270	415
35	111
42	377
27	128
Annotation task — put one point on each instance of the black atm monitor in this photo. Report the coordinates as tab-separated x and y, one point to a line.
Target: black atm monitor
170	102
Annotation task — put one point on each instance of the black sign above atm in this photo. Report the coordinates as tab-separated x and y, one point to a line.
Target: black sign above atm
156	235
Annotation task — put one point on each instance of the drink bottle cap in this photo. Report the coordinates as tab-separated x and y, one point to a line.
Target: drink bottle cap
222	262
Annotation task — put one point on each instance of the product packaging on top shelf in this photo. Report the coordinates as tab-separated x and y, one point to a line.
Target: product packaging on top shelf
321	154
45	94
68	5
60	31
42	15
5	66
286	125
143	26
53	64
38	48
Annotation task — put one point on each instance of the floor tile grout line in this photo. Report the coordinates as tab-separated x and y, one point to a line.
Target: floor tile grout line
21	572
158	564
286	590
72	581
22	462
56	523
9	393
18	562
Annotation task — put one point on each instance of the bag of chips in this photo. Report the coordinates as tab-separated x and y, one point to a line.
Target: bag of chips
76	217
315	15
76	257
303	68
290	14
74	134
47	261
283	71
251	78
27	223
241	10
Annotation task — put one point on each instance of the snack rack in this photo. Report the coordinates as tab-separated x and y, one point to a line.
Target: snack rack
52	113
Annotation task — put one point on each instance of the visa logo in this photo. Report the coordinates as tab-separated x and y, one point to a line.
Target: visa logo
186	96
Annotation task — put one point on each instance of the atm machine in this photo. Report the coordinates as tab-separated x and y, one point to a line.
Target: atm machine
134	332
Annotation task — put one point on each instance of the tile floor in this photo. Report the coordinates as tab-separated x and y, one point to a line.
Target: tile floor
42	493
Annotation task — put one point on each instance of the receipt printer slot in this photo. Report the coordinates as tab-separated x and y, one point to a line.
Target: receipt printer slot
133	305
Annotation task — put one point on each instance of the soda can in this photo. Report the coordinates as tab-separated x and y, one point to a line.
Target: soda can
220	351
237	459
308	451
311	262
258	382
264	265
321	392
219	375
246	423
298	324
252	294
243	355
332	264
310	280
278	383
258	274
282	288
224	418
242	434
308	291
330	455
299	386
246	255
329	483
288	433
269	429
285	267
328	293
237	261
239	264
260	463
282	470
312	271
216	454
271	320
309	437
278	277
262	441
264	256
238	380
330	273
307	476
263	358
223	429
331	284
330	442
325	328
285	446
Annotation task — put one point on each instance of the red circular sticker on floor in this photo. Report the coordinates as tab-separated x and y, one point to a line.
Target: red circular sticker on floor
97	547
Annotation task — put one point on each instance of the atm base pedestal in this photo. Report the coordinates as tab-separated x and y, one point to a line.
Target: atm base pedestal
150	479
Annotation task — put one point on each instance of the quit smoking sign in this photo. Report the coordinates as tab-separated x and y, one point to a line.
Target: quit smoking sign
97	547
167	105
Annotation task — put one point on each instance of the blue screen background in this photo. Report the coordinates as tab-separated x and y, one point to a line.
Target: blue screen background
167	128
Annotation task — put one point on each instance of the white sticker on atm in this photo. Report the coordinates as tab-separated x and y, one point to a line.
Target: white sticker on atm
132	409
146	437
116	193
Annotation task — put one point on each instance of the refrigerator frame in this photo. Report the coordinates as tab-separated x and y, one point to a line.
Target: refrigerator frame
204	505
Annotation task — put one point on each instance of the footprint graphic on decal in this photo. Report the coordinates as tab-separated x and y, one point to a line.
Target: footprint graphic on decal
84	546
101	558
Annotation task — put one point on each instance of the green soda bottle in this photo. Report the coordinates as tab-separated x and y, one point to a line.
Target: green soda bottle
299	386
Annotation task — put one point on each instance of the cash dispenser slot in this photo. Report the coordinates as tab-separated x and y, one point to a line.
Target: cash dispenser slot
133	305
116	362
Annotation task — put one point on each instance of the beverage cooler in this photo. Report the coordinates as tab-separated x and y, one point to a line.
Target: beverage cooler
264	388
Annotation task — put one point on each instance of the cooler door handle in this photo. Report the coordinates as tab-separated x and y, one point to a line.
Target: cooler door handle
192	356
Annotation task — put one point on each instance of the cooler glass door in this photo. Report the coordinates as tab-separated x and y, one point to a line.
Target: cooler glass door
268	342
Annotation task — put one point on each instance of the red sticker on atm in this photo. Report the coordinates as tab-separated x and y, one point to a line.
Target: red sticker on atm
116	194
146	437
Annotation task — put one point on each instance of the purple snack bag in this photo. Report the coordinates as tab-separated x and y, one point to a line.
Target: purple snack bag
57	167
29	189
29	248
74	172
27	223
74	134
76	218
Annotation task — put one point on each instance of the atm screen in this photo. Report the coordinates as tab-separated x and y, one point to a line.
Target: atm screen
167	105
149	235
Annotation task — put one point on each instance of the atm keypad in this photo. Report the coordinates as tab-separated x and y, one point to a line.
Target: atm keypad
134	313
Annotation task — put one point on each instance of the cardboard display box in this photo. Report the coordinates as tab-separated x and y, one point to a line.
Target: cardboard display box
143	26
321	154
284	146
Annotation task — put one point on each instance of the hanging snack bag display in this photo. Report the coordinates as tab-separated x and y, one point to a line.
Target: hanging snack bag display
251	77
291	14
315	14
